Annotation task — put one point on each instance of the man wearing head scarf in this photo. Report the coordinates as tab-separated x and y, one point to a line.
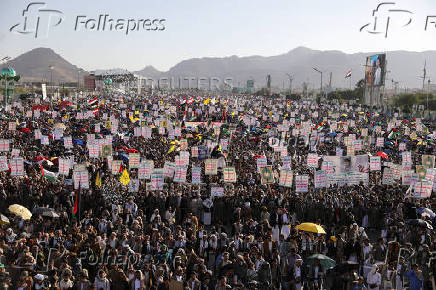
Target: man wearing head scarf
374	278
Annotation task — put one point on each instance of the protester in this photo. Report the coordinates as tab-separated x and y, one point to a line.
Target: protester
169	192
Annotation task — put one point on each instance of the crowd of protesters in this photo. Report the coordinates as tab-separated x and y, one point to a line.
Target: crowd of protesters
181	237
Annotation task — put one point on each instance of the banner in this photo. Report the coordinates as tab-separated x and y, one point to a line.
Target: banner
421	171
64	166
145	169
266	175
116	166
81	179
134	185
211	166
216	191
380	142
3	164
312	160
157	179
180	174
320	179
388	176
261	162
202	152
428	161
146	132
402	146
68	142
286	162
38	134
106	150
229	174
17	166
422	189
134	160
286	177
94	151
196	175
44	140
375	163
194	152
301	183
169	168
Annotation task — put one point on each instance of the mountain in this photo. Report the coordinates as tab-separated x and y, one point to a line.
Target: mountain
149	71
404	67
35	65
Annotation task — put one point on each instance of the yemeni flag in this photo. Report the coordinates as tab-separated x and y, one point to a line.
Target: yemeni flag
93	102
93	105
348	74
52	176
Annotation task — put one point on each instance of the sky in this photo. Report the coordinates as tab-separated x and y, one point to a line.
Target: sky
194	28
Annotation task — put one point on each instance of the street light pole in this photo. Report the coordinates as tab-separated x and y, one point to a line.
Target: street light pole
291	78
428	92
317	70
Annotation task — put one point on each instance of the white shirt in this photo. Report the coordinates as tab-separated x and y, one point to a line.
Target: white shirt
374	278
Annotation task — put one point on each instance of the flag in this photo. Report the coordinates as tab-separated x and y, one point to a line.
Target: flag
206	102
93	102
75	205
48	174
348	74
171	149
98	180
125	179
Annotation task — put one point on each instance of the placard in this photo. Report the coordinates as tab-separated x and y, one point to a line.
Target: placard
286	177
134	159
229	174
196	175
320	179
301	183
266	175
211	166
374	163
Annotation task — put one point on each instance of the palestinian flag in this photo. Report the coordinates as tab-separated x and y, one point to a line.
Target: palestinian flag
348	74
48	174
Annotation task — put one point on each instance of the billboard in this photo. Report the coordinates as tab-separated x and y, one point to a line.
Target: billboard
375	70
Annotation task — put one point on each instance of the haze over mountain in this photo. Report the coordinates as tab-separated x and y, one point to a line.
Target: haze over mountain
403	66
35	64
